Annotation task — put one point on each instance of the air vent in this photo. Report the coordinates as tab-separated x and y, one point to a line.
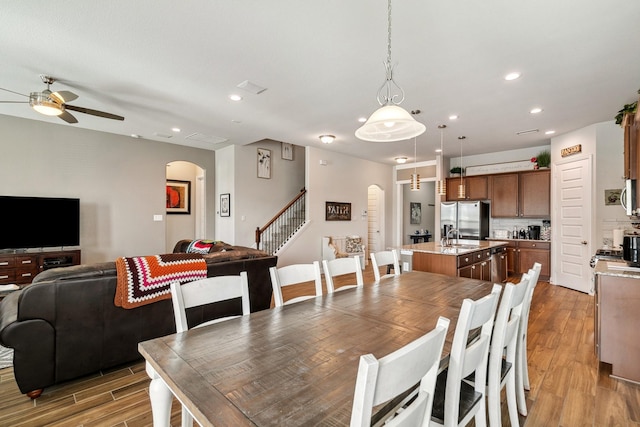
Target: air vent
523	132
251	87
206	138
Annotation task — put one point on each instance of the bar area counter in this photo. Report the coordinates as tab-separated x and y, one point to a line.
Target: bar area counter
476	259
617	316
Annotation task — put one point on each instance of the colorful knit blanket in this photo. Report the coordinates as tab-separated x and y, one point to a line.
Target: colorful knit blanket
147	279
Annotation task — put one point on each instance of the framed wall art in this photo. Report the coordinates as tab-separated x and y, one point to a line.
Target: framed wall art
178	197
416	212
287	151
612	197
264	163
337	211
225	204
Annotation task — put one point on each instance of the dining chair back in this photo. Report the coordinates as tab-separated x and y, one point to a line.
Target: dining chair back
456	402
385	259
202	292
292	275
502	353
207	291
340	267
381	380
522	367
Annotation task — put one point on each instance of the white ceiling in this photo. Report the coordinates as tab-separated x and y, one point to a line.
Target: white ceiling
166	63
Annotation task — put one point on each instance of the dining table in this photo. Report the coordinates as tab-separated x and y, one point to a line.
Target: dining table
297	364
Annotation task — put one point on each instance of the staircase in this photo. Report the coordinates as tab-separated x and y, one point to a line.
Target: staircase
283	226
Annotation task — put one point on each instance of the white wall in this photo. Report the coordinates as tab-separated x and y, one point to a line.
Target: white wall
426	197
182	226
499	157
120	181
343	179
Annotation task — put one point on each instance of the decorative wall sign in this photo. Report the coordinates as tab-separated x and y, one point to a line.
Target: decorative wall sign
416	212
264	163
612	197
225	204
571	150
178	197
337	211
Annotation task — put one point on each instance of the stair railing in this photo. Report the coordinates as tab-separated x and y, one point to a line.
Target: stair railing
275	233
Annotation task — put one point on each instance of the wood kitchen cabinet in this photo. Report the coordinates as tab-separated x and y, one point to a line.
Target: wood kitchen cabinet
631	152
475	188
521	194
522	254
476	265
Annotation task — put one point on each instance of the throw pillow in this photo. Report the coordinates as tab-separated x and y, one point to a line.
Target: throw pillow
353	244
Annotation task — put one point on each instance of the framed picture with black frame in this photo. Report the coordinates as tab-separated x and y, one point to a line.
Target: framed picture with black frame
225	204
178	197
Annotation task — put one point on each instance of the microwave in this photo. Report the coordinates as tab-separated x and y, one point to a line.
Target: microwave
628	197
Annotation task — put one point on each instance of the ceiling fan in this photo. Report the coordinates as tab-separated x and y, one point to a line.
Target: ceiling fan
55	103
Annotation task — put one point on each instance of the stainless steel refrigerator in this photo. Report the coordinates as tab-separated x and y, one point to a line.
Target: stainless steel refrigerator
471	219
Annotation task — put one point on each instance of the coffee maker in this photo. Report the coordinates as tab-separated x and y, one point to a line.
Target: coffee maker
534	232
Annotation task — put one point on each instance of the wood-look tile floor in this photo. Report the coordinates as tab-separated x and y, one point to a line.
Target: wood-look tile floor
568	385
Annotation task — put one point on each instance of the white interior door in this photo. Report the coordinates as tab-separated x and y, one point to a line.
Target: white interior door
572	225
375	218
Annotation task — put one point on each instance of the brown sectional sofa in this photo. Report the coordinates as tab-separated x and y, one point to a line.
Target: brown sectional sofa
65	325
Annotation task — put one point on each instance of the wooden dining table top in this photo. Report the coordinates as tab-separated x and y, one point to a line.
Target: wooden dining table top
297	365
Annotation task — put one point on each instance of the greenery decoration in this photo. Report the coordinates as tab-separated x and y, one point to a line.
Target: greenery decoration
457	169
543	159
627	109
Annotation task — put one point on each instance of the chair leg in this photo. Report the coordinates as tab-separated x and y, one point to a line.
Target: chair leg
512	404
520	396
525	368
493	405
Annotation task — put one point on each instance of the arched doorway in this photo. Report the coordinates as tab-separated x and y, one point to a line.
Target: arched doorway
190	224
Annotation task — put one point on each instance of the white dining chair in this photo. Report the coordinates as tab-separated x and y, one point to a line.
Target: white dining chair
385	259
202	292
381	380
522	366
292	275
339	267
455	401
502	353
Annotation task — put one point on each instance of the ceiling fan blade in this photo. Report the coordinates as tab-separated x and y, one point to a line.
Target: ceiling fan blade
93	112
67	117
14	102
64	96
11	91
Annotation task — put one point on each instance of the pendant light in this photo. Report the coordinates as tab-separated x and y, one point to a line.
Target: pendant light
415	176
461	188
441	185
390	122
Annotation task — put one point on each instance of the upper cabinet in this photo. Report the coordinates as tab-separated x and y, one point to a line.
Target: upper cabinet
631	152
521	194
475	188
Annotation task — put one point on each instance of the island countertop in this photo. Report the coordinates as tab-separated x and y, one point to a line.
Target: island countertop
459	247
616	269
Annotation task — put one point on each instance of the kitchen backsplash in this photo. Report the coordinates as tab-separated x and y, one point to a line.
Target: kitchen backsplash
502	228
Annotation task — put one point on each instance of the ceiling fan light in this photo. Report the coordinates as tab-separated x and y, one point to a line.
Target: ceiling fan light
390	123
42	104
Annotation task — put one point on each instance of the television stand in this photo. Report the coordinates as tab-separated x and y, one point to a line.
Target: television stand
21	268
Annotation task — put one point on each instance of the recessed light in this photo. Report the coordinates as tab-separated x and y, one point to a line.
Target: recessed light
235	97
550	132
453	117
512	76
362	119
327	139
135	135
536	110
438	150
401	160
175	129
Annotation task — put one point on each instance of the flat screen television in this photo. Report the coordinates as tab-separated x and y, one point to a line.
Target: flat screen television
39	222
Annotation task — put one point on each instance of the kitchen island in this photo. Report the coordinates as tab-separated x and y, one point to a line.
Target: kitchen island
476	259
617	316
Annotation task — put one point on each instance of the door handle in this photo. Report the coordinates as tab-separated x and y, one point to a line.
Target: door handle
584	242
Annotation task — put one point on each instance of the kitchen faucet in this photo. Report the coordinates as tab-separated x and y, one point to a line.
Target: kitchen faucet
446	241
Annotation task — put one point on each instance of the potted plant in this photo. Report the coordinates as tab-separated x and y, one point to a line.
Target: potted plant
457	171
543	159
